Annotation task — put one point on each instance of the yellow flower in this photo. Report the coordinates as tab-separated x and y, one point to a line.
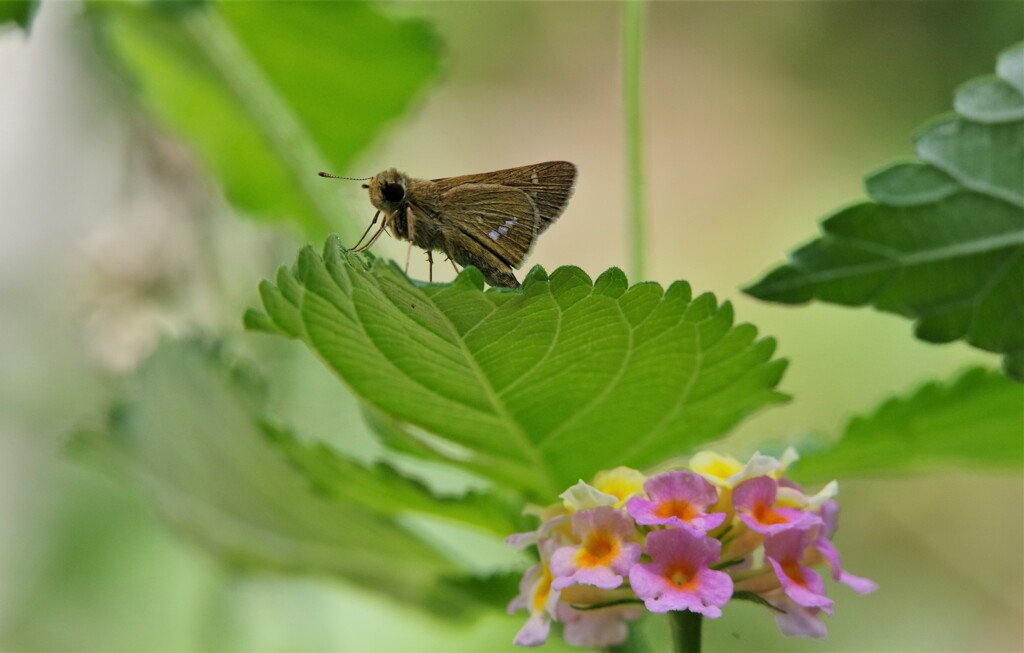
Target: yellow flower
621	482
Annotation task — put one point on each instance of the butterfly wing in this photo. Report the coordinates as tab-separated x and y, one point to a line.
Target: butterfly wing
549	185
500	220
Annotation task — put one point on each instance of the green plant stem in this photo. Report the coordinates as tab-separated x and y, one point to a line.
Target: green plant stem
634	17
685	631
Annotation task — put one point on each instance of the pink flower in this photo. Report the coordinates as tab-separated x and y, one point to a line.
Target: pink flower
824	546
605	553
678	498
802	584
678	576
754	501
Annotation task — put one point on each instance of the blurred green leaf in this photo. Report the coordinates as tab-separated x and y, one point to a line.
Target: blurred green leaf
943	242
20	12
190	434
975	422
382	489
270	93
540	387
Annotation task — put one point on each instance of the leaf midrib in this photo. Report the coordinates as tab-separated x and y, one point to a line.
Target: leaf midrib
522	440
921	257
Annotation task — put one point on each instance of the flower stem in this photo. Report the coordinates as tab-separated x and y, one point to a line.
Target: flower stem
685	631
634	14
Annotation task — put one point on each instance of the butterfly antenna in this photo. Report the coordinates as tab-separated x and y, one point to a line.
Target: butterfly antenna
330	176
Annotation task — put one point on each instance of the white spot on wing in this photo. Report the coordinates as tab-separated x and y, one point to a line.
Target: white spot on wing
494	235
509	223
503	230
534	178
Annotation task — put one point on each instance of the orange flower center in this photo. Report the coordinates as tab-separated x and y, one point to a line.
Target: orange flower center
682	576
795	573
680	508
598	550
764	514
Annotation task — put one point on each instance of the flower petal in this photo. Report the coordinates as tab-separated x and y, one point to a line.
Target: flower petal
802	584
621	482
678	577
535	631
754	501
605	552
599	629
584	496
796	620
831	555
677	498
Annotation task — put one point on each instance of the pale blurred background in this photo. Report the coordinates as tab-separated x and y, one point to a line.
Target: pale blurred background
761	118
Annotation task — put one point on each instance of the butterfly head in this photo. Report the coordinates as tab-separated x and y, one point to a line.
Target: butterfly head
387	190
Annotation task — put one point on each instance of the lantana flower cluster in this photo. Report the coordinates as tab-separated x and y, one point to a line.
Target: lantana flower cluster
688	539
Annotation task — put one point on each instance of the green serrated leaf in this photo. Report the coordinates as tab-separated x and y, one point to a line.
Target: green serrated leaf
270	93
1010	66
943	241
907	184
542	386
989	99
974	422
254	320
286	311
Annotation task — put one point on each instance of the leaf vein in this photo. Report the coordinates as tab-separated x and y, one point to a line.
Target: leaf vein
608	387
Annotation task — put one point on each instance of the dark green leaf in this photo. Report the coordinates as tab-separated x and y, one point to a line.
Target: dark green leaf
493	590
19	12
943	241
974	422
540	387
270	93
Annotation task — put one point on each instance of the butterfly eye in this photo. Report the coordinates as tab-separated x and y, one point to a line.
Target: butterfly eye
393	192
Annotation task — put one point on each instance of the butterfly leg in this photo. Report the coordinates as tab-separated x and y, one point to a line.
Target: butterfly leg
372	222
454	267
408	253
373	239
430	264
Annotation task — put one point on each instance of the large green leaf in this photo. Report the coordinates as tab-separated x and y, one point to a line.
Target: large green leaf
386	491
539	387
943	240
269	93
190	432
20	12
974	422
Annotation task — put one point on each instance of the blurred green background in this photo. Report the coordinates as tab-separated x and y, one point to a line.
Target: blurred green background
760	118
